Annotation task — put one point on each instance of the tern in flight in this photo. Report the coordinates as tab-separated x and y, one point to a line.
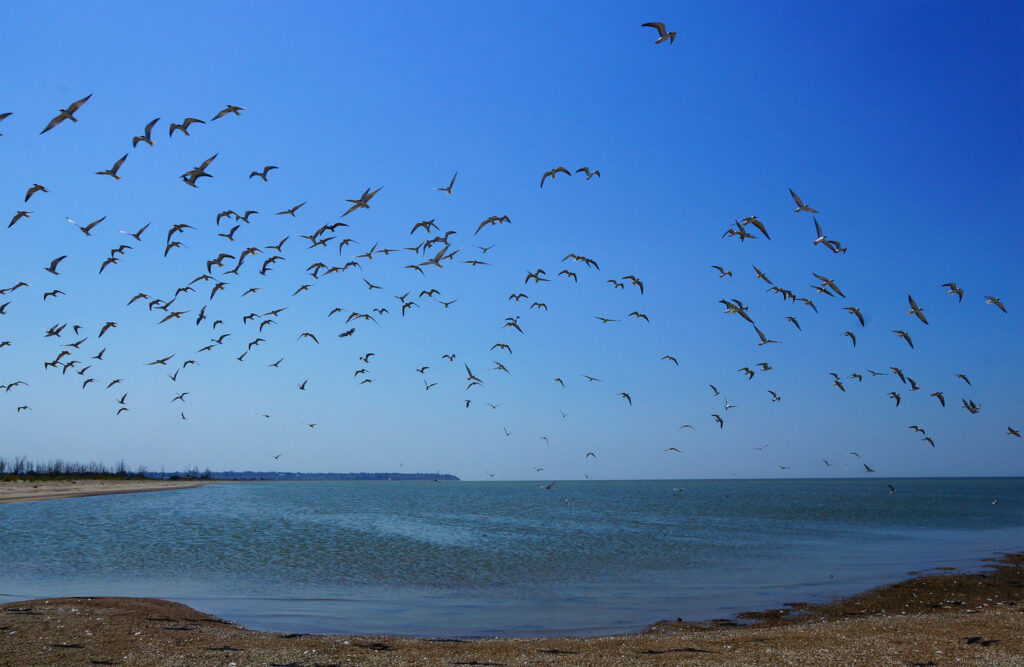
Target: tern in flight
113	170
183	126
362	202
995	302
916	310
66	114
663	34
34	189
145	138
230	108
52	268
800	205
262	174
552	173
448	190
953	289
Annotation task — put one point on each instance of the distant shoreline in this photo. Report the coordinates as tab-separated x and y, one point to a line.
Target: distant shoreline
970	618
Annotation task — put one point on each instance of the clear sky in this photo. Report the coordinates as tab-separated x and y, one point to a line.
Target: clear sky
902	124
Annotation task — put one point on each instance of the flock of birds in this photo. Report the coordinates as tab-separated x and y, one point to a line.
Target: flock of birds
79	351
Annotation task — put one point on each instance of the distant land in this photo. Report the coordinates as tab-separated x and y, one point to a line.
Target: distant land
307	476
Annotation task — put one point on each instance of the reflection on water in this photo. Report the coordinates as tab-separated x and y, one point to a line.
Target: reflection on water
501	558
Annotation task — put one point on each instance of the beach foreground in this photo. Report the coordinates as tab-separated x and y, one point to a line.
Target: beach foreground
24	491
930	620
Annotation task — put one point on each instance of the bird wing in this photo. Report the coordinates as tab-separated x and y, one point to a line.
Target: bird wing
660	27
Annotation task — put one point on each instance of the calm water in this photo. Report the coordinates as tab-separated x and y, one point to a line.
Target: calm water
490	559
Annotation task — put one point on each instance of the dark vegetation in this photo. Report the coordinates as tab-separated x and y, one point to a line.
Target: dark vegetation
22	468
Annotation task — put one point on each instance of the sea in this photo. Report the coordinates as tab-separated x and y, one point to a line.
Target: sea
503	559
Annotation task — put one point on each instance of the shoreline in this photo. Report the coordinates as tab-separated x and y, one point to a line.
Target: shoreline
973	618
30	491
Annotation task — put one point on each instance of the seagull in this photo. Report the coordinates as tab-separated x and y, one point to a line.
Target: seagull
590	174
362	202
262	174
448	189
995	302
892	489
137	235
18	216
113	170
800	205
1012	431
87	230
915	310
721	272
34	189
66	114
291	211
183	126
52	268
904	335
145	138
228	109
764	339
662	34
953	289
941	397
552	173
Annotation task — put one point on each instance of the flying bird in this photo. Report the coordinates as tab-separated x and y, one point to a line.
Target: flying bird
953	289
291	211
145	138
995	302
66	114
800	205
113	170
448	189
18	216
52	268
34	189
263	174
228	109
662	33
552	173
916	310
362	202
183	126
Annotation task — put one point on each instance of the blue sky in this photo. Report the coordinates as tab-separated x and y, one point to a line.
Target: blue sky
900	122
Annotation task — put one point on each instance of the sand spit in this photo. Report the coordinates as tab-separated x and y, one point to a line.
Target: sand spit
24	491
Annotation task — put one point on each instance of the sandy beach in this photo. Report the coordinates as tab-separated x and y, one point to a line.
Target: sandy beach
23	491
946	619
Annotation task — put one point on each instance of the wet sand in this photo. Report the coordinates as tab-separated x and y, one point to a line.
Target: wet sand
24	491
946	619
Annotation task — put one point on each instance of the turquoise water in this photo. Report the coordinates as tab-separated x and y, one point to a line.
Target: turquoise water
501	559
